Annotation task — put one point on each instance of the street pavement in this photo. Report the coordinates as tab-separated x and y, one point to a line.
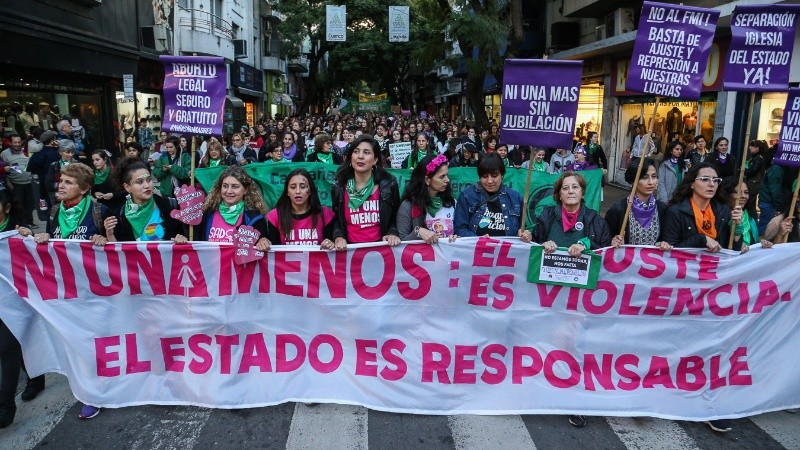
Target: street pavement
51	421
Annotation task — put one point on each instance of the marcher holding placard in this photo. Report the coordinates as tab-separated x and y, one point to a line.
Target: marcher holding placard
365	197
646	224
144	216
299	218
428	206
232	202
488	208
697	216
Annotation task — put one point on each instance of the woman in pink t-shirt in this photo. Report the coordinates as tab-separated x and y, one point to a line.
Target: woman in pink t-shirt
365	197
299	218
232	202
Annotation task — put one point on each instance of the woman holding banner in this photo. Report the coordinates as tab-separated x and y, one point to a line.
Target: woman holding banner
697	216
645	225
747	230
365	197
487	208
144	217
299	218
428	206
233	201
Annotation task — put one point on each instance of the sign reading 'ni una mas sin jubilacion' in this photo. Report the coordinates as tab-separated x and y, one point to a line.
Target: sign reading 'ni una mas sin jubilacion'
671	50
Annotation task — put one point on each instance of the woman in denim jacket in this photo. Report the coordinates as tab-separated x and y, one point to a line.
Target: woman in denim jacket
488	208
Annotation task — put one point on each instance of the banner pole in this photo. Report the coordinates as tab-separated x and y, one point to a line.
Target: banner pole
792	207
645	149
191	178
527	189
744	161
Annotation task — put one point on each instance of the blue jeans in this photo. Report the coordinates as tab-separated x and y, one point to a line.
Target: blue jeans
767	213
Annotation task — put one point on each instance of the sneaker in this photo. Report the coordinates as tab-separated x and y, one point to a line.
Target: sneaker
577	421
720	426
7	416
33	388
88	411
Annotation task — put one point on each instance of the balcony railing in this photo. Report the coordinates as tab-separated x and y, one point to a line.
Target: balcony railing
205	22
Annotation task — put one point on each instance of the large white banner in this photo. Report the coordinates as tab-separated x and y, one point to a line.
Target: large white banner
443	329
398	24
335	23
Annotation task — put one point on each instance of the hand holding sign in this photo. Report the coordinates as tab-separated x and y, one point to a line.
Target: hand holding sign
190	200
245	240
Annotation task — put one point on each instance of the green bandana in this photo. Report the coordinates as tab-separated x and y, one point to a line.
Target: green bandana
101	177
414	160
540	166
230	214
505	162
358	197
327	158
747	236
4	224
435	206
139	215
592	148
214	162
69	219
62	163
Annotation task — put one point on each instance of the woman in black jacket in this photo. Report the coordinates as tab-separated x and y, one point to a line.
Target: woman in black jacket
105	189
697	216
723	161
365	197
645	224
144	216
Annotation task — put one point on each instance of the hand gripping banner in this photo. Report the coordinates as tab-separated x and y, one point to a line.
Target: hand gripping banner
443	329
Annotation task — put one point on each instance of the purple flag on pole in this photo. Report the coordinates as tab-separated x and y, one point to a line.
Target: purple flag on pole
788	153
761	47
540	102
194	94
671	50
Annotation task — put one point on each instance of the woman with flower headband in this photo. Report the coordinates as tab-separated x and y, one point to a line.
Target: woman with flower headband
144	217
428	206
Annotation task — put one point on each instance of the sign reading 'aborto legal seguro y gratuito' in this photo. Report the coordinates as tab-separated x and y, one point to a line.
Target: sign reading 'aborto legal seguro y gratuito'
671	50
194	94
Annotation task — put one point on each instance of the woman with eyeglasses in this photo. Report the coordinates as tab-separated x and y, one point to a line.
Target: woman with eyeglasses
144	217
645	224
698	216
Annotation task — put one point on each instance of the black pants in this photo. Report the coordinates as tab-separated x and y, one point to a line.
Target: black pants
11	361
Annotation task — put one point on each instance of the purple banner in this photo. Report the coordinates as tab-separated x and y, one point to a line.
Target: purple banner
540	102
788	153
671	50
761	47
194	94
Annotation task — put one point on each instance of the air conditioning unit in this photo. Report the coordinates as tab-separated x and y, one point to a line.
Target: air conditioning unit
239	48
620	22
160	32
600	33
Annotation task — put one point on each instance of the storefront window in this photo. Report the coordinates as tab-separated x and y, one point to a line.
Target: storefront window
492	105
771	116
590	109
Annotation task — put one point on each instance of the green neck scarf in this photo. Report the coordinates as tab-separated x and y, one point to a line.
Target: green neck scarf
505	162
540	166
101	177
69	219
358	197
327	158
62	163
435	206
414	160
214	162
230	214
4	224
747	235
139	215
592	148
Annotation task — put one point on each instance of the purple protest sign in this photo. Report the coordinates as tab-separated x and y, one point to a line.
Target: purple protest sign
194	94
761	47
788	153
671	50
540	102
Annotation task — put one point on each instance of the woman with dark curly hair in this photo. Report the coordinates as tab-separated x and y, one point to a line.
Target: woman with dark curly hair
365	197
233	201
428	206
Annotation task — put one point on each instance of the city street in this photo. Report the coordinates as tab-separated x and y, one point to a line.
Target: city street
51	420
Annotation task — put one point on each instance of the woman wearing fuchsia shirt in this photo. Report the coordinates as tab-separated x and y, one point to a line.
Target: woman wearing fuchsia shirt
365	197
233	201
298	217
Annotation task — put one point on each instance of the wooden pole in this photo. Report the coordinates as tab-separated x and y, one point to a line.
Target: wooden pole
191	179
744	160
527	189
793	205
645	150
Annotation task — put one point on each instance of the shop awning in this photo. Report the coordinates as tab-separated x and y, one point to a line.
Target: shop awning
236	102
281	99
250	92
